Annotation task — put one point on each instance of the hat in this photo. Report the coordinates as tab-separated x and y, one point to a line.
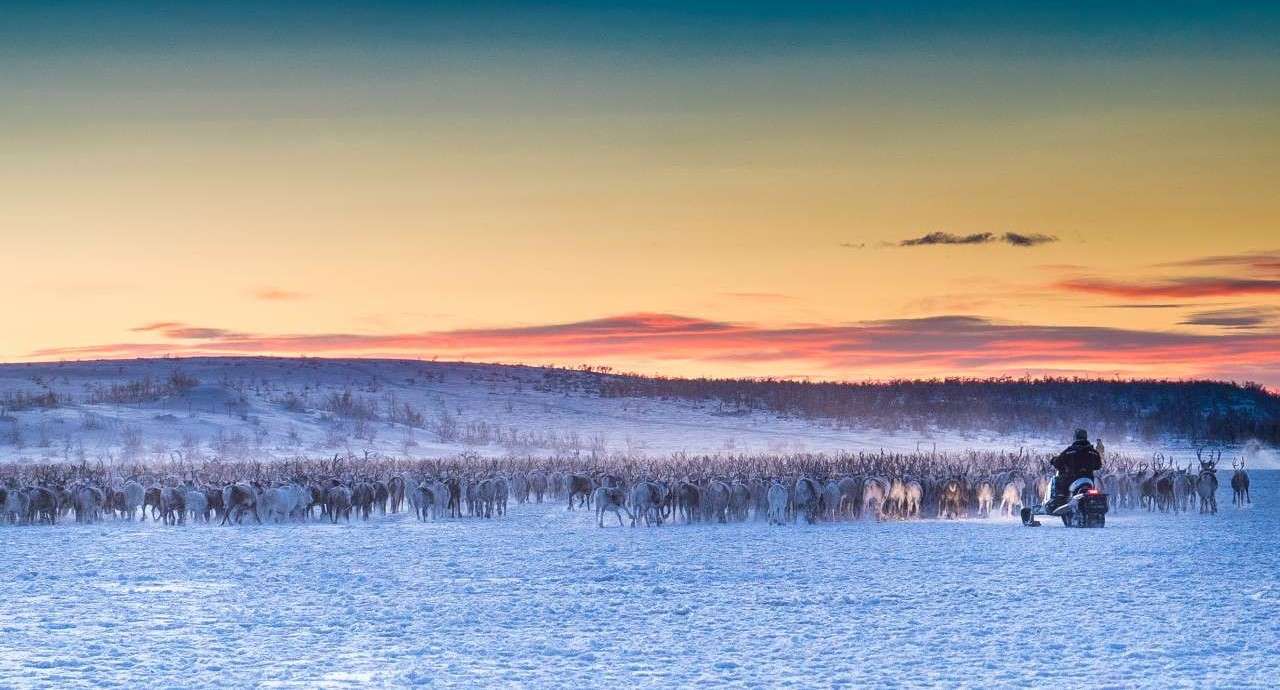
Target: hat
1082	435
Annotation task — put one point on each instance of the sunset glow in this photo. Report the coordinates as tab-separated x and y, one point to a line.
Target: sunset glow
822	190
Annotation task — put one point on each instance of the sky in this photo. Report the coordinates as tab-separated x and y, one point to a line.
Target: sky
828	190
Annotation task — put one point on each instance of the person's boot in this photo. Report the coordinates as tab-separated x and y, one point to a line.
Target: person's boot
1057	497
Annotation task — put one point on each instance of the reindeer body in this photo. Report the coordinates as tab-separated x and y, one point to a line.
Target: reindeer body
951	500
1240	486
1207	488
610	499
807	496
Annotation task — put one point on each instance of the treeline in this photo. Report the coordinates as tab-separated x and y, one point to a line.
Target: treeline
137	391
1200	411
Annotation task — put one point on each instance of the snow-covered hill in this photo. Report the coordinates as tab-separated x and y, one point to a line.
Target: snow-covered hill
131	410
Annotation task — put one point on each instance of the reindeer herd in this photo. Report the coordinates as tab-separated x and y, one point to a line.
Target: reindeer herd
1164	486
680	489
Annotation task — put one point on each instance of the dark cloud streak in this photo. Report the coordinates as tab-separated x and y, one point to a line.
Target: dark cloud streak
1239	318
1013	239
1177	287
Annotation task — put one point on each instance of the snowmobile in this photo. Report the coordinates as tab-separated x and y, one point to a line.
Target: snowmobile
1085	506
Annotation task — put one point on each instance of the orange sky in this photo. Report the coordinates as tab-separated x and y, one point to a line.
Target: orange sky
440	200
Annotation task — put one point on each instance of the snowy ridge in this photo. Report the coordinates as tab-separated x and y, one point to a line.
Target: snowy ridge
142	410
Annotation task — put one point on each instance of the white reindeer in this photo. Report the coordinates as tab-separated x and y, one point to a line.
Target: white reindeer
778	504
610	499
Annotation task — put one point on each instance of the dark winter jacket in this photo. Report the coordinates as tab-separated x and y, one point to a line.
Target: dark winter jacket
1080	459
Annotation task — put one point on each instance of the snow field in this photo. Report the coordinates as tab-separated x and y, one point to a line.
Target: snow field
545	598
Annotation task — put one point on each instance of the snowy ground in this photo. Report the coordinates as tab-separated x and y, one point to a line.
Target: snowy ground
544	598
240	408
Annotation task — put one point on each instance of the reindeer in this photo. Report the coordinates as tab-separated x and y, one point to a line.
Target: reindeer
42	505
951	500
196	503
1164	482
337	499
455	497
362	495
1207	485
688	500
805	502
16	504
610	499
501	494
538	485
237	499
777	504
1240	485
280	503
213	502
396	488
897	497
1146	479
646	503
1011	496
520	487
173	506
986	497
875	491
715	502
739	501
130	500
850	496
87	500
578	486
423	500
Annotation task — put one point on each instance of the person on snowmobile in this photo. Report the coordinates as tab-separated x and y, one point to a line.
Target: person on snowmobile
1079	460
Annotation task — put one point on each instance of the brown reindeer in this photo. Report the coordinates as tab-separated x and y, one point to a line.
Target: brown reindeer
1240	485
238	499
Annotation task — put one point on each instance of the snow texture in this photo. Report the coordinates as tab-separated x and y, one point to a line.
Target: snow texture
239	409
544	598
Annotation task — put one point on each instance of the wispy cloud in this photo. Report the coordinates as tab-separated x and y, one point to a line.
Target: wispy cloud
1176	287
1263	262
1028	240
156	326
943	345
1014	239
1237	318
182	331
947	238
270	294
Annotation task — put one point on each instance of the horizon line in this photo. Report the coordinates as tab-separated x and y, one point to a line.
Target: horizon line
607	370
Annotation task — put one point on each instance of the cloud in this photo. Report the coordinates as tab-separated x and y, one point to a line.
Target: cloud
936	346
1238	318
1176	287
1013	239
156	326
1031	240
947	238
1264	262
181	331
277	295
